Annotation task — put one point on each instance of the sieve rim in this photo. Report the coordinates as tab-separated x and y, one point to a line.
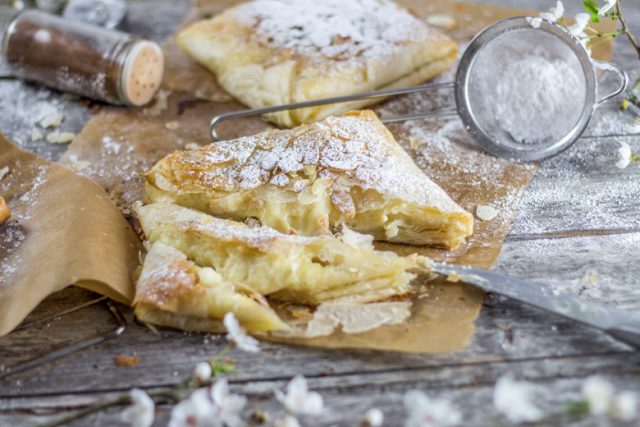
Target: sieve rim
534	152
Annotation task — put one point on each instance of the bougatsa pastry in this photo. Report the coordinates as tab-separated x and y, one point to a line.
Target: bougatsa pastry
306	270
347	169
271	52
173	291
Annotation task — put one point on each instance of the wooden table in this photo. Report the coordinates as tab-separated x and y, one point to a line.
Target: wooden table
578	230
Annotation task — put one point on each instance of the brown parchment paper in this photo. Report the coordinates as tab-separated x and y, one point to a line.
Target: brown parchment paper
64	230
120	145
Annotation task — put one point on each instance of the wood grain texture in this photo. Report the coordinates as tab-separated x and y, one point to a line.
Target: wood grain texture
584	239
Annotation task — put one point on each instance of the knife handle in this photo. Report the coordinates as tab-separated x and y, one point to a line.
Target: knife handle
629	334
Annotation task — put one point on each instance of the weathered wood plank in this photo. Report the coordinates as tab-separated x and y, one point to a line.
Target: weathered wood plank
596	267
347	397
582	189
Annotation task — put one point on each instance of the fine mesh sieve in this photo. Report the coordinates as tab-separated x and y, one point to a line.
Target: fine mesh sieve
523	93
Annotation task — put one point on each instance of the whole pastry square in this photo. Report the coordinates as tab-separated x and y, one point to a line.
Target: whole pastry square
271	52
311	179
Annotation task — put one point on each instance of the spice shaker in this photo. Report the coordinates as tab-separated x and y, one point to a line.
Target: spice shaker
84	59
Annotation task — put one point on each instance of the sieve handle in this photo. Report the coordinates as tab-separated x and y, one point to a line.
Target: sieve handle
216	120
624	79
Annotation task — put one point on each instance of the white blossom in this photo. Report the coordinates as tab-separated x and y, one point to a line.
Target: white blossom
609	4
228	406
513	399
624	155
286	420
598	392
141	411
299	400
582	20
554	13
196	411
237	335
425	412
534	22
624	406
209	407
202	372
374	417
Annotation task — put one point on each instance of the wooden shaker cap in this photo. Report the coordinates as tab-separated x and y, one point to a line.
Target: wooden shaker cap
142	73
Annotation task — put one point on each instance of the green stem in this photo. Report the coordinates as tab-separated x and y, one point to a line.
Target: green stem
220	355
625	30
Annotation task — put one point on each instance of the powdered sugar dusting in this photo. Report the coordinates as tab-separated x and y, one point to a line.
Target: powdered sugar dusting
13	233
334	28
355	150
580	181
166	274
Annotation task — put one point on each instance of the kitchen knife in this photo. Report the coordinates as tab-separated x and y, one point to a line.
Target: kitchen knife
619	324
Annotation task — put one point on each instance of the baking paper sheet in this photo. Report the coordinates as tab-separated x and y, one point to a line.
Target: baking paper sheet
63	231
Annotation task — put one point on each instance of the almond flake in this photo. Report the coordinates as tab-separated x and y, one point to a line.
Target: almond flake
36	135
53	120
486	213
60	137
4	171
80	165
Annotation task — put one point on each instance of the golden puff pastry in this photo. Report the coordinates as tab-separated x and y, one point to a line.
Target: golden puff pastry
271	52
173	291
306	270
343	170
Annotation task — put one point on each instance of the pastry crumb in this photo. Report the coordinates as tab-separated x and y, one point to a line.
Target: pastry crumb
126	361
5	214
415	143
36	135
52	120
172	125
453	278
4	171
159	105
443	21
191	146
60	137
486	212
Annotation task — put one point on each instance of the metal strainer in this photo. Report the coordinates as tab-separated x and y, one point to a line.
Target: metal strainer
506	92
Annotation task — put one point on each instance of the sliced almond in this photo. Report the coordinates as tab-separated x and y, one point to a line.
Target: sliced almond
52	120
486	212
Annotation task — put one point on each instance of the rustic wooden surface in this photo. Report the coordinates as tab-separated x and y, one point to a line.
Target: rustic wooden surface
585	239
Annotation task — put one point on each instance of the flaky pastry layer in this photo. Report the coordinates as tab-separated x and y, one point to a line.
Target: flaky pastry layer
307	180
286	268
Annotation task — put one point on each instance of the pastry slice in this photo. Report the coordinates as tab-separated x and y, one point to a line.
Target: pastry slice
306	270
271	52
343	170
173	291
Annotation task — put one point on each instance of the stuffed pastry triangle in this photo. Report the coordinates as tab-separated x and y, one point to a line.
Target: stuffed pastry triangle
307	270
270	52
173	291
343	170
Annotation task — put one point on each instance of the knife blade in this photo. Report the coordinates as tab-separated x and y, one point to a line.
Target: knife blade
619	324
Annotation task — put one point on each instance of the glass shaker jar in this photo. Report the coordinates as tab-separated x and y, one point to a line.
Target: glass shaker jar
84	59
